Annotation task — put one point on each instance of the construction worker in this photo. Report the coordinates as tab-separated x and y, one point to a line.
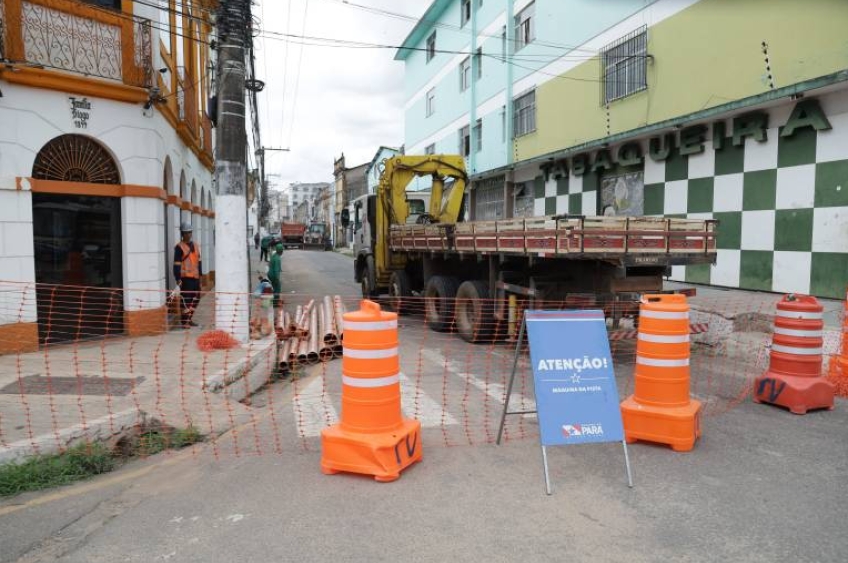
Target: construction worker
274	271
263	245
187	271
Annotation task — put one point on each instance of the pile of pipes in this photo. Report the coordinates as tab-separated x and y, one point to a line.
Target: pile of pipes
314	334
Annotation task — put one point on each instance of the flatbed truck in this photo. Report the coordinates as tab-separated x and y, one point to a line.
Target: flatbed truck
473	276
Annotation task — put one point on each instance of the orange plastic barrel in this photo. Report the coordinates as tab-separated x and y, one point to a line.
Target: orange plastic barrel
794	377
370	371
797	343
372	437
662	351
660	409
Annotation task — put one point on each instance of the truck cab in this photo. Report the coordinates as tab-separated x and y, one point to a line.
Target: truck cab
364	231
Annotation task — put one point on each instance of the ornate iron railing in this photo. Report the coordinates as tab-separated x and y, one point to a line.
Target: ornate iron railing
3	17
65	41
67	36
143	52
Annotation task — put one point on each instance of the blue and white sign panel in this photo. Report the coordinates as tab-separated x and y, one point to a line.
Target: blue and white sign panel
574	379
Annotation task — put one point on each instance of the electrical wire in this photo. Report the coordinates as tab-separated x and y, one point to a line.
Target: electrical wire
297	76
451	27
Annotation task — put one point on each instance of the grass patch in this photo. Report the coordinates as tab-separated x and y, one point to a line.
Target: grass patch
155	441
87	460
44	471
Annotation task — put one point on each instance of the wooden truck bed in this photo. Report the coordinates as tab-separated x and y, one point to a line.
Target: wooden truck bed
640	239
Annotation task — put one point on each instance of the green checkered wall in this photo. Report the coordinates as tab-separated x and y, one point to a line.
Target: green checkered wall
782	205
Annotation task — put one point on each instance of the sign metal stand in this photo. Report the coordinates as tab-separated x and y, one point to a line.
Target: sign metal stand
506	411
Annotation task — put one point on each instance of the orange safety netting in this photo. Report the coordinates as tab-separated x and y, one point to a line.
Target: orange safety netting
216	340
89	363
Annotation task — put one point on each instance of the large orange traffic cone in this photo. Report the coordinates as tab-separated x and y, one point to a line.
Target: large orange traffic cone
660	409
794	377
372	437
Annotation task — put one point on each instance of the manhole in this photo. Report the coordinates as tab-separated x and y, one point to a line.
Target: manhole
84	385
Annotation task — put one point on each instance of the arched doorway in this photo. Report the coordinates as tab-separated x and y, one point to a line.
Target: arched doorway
78	259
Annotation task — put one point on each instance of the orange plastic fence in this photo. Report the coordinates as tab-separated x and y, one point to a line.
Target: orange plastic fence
88	363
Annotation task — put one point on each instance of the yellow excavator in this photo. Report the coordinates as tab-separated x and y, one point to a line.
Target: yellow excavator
375	214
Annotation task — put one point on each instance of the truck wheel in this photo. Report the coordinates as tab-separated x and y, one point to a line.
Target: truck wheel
475	319
369	278
399	292
439	298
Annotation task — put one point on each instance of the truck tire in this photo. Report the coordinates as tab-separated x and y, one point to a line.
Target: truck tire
369	278
475	318
400	292
439	300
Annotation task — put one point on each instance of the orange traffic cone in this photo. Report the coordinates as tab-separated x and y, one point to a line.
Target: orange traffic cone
794	378
372	437
660	409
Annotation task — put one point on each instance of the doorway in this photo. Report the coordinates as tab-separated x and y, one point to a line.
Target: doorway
78	266
78	261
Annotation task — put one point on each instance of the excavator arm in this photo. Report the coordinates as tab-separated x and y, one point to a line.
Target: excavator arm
392	207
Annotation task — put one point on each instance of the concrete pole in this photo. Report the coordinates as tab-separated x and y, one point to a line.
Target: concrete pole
232	307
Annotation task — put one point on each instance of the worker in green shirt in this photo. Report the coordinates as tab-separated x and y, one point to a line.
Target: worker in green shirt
274	270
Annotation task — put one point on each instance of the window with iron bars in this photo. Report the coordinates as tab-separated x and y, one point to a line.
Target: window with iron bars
624	66
524	115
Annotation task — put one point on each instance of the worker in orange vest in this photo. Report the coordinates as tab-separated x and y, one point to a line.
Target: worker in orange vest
187	271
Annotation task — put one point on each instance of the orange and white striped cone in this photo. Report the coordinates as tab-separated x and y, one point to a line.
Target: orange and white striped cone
661	409
372	436
794	377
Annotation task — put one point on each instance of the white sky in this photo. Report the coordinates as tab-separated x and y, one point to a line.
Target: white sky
343	99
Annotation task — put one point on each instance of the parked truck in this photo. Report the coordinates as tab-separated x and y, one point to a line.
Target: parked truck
317	236
292	234
472	274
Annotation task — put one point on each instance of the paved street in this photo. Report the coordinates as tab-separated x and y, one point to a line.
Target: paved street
761	485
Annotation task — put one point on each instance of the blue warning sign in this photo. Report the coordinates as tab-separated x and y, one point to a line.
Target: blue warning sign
576	396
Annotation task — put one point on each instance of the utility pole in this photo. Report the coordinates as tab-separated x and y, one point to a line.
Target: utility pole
232	307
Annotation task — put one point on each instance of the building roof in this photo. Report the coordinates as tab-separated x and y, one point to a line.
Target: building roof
378	153
422	28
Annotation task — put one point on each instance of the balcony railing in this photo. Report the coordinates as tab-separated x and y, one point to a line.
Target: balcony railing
73	37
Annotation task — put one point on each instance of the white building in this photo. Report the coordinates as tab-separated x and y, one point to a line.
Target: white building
299	192
105	147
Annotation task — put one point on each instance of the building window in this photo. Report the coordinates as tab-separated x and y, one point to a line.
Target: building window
112	4
525	26
465	15
624	66
464	74
465	141
478	136
478	63
431	46
525	114
430	149
431	101
503	44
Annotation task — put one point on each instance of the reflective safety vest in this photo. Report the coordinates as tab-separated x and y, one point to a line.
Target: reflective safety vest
190	265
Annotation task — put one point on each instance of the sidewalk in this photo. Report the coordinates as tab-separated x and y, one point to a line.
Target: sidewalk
99	389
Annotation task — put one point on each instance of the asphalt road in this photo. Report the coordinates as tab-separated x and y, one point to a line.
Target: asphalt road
761	485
